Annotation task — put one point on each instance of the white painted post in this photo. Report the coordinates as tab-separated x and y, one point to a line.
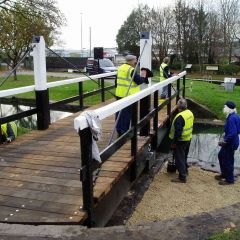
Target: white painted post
40	76
146	59
39	61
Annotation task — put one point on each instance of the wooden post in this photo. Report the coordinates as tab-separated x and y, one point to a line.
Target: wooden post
80	91
184	85
40	77
178	90
134	140
155	122
86	173
102	90
144	110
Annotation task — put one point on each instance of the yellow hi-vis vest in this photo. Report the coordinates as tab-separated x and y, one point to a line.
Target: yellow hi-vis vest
188	117
161	70
4	129
124	80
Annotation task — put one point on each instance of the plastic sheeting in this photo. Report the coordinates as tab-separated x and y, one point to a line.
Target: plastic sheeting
204	152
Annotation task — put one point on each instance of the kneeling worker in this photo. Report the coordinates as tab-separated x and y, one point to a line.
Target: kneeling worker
181	134
8	132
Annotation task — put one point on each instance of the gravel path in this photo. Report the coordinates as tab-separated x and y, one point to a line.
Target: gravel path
165	200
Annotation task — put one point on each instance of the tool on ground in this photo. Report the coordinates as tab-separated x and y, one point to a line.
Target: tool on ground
171	166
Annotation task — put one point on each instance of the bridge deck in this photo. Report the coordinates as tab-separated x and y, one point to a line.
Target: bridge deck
39	174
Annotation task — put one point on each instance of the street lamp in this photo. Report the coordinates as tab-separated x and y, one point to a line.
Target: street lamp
81	33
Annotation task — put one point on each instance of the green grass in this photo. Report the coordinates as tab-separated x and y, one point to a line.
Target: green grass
56	93
232	235
212	95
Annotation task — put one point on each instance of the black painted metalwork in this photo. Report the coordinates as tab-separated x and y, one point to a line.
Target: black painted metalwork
43	109
155	122
134	142
184	86
178	90
144	110
80	92
102	90
86	173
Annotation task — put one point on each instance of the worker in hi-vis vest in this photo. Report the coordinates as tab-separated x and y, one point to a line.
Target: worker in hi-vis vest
127	84
8	132
181	135
165	73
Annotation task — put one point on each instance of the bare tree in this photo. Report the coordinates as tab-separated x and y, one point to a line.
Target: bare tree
162	28
229	12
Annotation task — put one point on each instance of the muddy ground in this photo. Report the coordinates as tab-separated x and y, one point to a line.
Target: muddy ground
154	197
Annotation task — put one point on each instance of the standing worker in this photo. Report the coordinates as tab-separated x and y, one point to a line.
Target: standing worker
127	84
181	134
164	74
8	132
229	144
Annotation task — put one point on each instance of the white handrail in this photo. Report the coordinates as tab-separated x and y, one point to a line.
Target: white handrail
80	122
15	91
80	79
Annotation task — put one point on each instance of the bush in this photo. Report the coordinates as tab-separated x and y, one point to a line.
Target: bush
228	69
176	66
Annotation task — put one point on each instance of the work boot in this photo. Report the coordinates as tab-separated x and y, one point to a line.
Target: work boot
219	177
178	180
224	182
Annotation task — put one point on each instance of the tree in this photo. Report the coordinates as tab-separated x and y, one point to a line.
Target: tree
46	8
162	29
17	31
229	12
128	35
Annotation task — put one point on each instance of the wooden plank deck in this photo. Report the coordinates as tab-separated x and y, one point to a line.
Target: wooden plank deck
39	174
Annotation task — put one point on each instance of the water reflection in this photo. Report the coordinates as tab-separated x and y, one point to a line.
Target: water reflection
31	121
204	152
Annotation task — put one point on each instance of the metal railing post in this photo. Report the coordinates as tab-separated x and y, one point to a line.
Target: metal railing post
178	90
169	106
40	78
86	173
184	85
102	90
80	91
144	110
155	121
134	140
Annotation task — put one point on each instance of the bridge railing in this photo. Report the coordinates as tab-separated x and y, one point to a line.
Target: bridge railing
139	124
42	103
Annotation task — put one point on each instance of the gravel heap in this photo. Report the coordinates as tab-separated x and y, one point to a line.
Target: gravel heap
165	199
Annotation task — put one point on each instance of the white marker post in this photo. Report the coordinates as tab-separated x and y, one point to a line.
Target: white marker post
145	61
40	77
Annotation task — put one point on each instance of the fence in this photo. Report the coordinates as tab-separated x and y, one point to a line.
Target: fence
140	123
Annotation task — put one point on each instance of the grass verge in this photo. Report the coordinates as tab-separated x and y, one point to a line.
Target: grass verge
229	235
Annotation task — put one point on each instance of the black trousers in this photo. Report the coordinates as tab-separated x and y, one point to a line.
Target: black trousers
180	154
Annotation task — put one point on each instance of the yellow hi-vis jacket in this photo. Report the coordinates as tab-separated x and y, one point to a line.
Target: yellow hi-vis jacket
4	129
161	71
188	117
123	81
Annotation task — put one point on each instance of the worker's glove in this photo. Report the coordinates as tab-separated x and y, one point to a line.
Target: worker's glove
222	143
173	146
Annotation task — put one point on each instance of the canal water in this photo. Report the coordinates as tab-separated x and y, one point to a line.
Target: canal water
31	121
204	152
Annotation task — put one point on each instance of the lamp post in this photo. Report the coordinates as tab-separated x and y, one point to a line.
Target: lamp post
81	33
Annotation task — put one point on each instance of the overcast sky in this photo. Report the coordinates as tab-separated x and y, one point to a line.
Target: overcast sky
105	18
